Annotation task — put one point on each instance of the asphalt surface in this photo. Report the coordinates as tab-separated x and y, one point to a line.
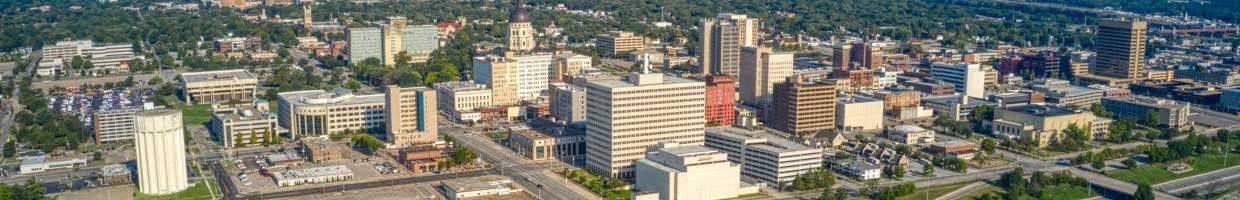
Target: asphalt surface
1205	183
530	175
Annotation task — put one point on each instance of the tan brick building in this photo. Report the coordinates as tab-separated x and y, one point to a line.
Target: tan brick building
218	86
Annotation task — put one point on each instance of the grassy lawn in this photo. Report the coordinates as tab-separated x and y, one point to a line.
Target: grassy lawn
747	196
498	135
988	189
1065	191
198	191
933	192
191	114
1157	173
585	179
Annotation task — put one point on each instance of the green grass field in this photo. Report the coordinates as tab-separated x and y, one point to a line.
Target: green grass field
988	189
933	192
196	192
1068	192
1157	173
191	114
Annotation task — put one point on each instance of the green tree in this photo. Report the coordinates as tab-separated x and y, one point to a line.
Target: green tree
367	142
254	137
462	155
1151	117
353	85
1143	192
10	149
1100	111
988	146
927	169
1097	164
1129	163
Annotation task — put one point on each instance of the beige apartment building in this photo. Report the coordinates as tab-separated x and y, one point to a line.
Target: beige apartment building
460	96
412	116
618	42
497	73
799	106
1044	125
316	112
218	86
760	69
627	118
569	64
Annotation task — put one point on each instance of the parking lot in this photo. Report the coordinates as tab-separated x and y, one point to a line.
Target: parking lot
250	176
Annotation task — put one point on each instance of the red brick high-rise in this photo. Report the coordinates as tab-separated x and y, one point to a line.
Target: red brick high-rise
720	101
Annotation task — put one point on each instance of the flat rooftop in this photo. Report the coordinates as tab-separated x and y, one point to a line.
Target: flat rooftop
236	74
488	182
623	83
461	86
772	142
338	96
247	114
313	172
1041	110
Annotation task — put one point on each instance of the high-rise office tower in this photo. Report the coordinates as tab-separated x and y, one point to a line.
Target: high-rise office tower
722	39
520	31
720	100
760	70
970	79
365	42
160	145
628	117
801	106
866	55
1121	48
841	56
411	116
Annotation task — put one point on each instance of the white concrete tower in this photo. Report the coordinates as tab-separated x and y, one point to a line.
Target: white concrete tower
160	143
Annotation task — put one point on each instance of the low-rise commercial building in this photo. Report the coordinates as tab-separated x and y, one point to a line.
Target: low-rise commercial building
1229	100
218	86
954	149
114	174
1063	93
461	96
910	134
566	143
312	175
1170	113
1044	125
617	42
321	150
317	112
954	106
243	127
857	169
764	156
689	172
457	189
421	159
858	113
41	163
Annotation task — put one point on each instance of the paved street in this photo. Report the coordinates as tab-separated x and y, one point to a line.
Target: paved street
1208	182
1115	185
519	168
